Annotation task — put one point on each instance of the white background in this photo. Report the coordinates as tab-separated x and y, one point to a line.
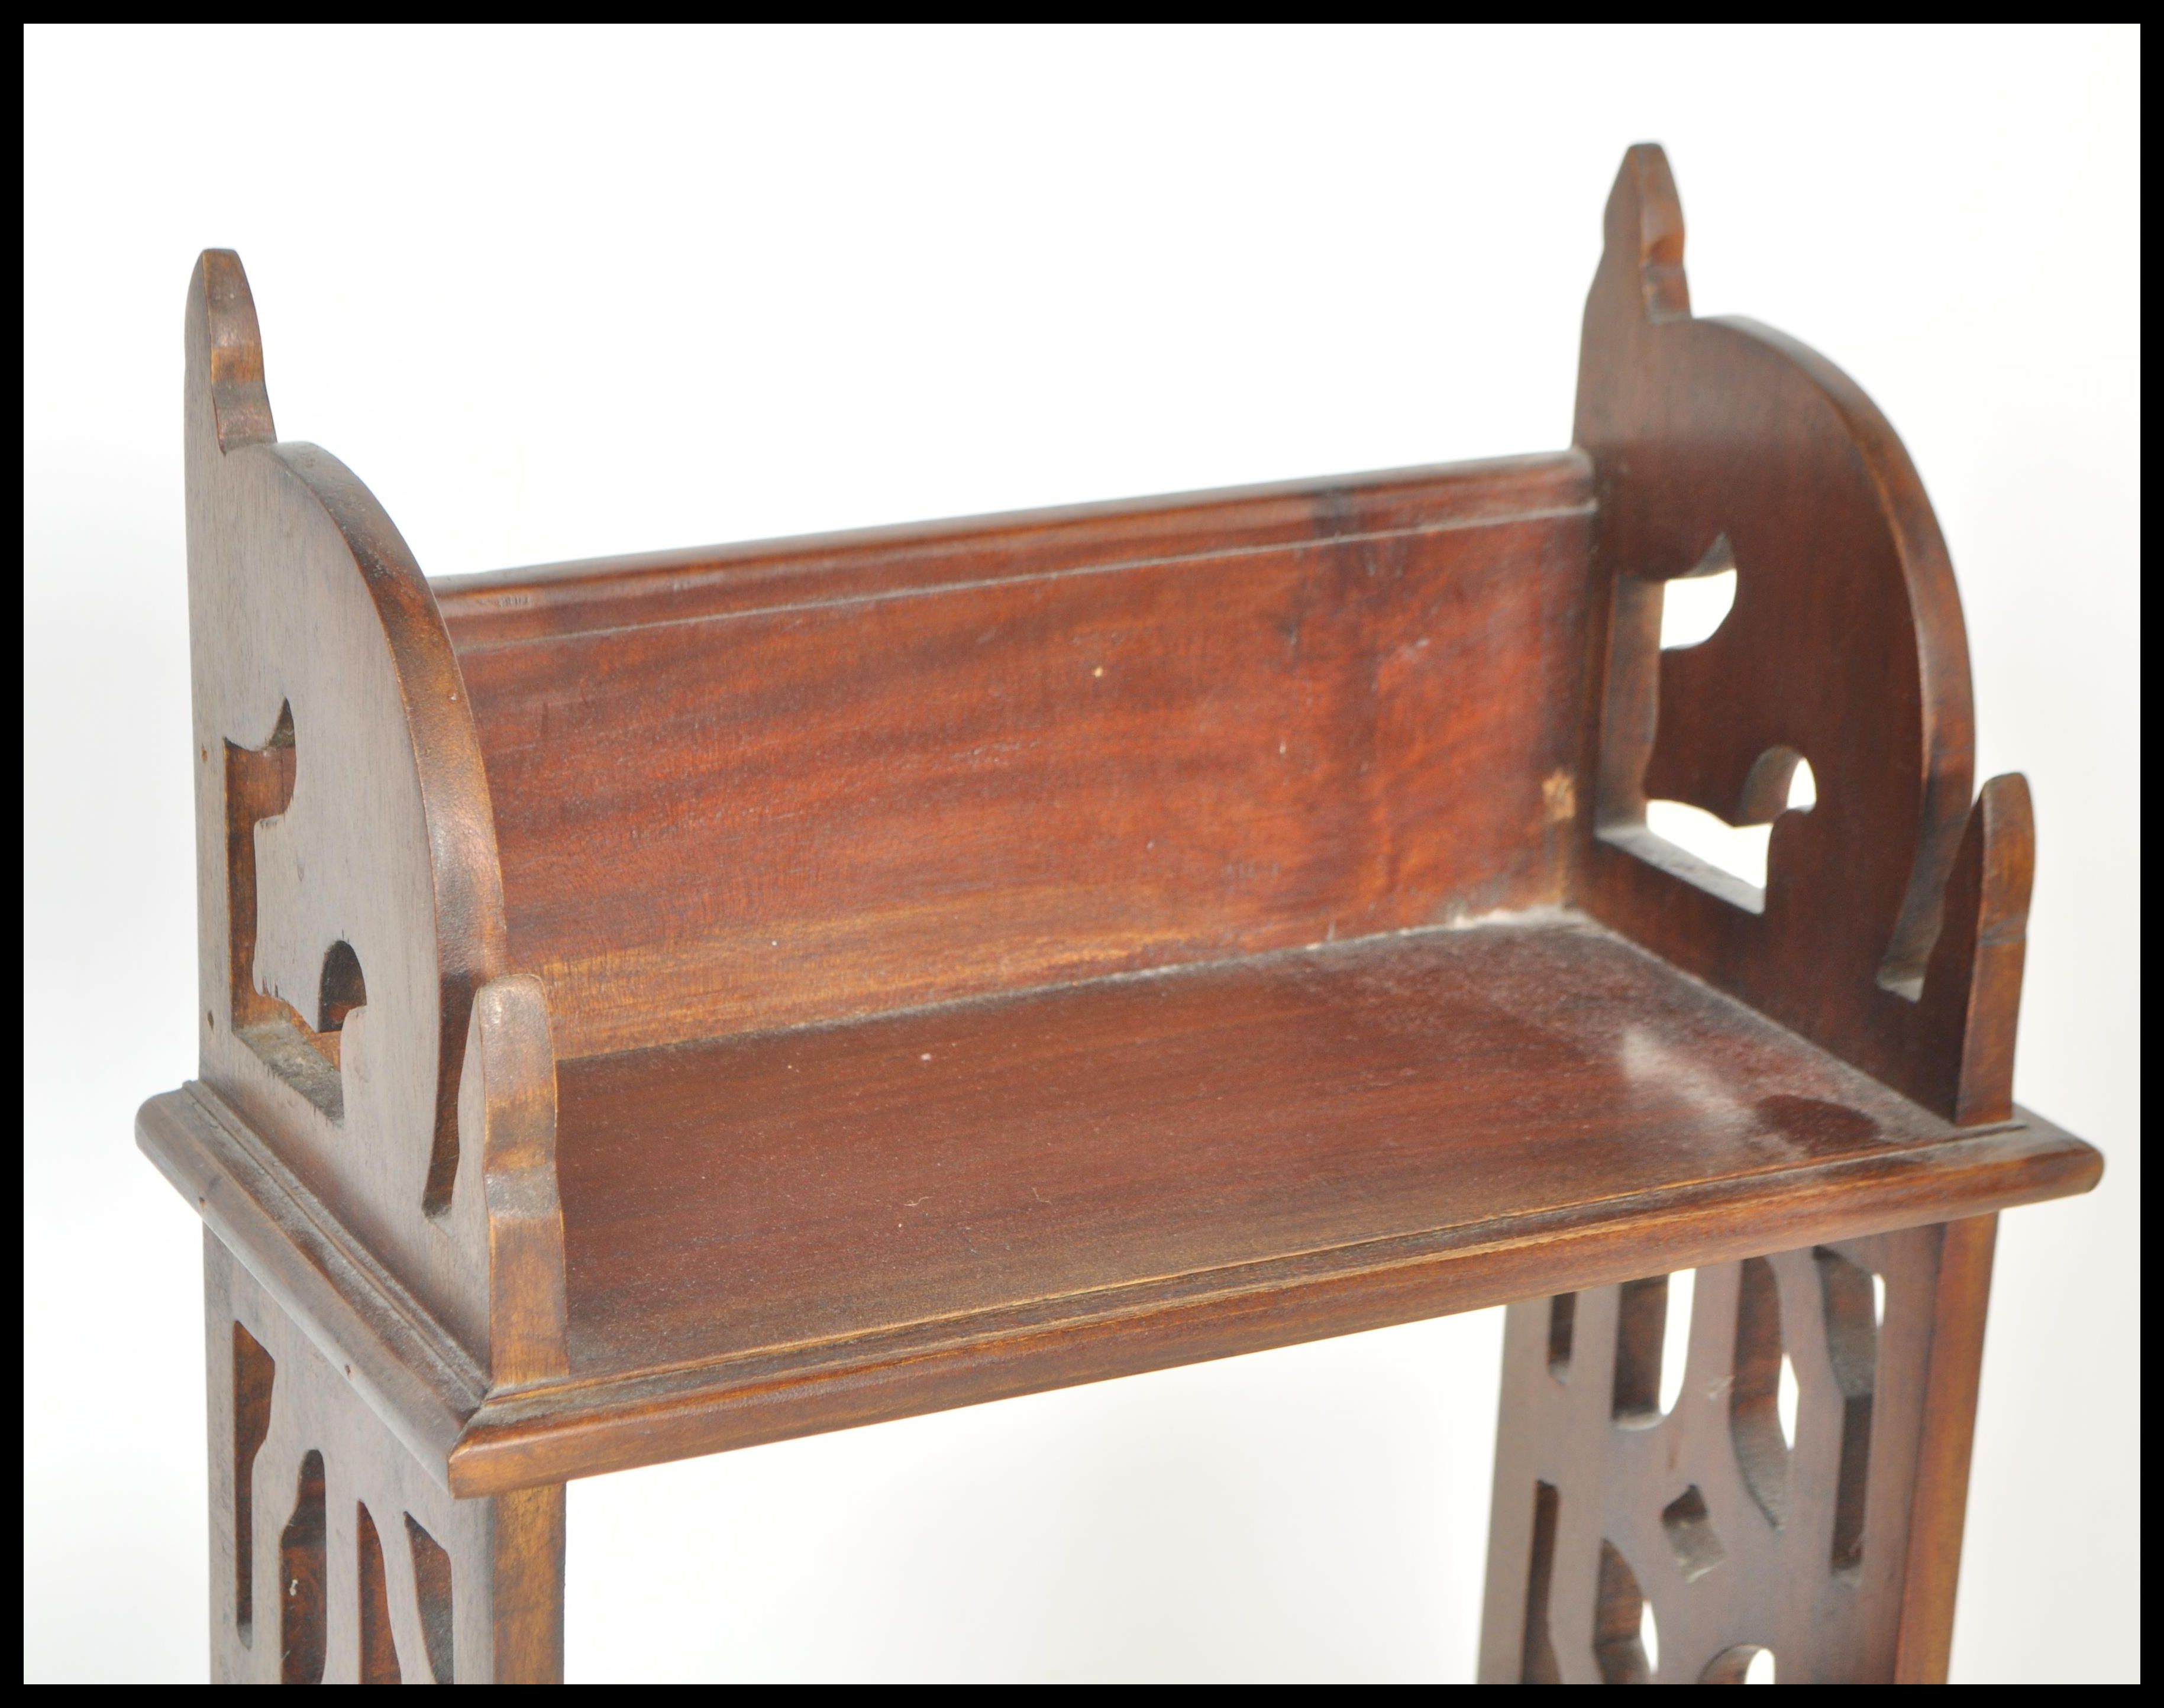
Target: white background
560	294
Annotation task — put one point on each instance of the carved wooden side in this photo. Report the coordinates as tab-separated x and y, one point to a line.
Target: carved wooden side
1835	1550
1881	933
350	905
335	1555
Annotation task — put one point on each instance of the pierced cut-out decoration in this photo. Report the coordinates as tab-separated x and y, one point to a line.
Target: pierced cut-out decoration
1619	1623
259	785
1781	781
379	1651
255	1374
343	987
1563	1320
1754	1423
1747	1664
1641	1322
1698	428
1695	1543
1750	1527
1541	1667
1852	1330
432	1581
1675	1337
1724	852
303	1628
340	991
1691	611
1694	606
258	789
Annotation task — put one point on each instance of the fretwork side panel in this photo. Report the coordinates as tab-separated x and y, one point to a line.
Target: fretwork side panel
334	1556
1802	1493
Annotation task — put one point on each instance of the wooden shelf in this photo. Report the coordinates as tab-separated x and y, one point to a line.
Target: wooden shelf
658	1004
920	1205
793	1230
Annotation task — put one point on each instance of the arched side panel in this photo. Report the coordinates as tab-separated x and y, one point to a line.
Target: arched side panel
1725	442
350	903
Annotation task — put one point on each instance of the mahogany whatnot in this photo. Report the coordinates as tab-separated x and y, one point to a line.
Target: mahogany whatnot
661	1004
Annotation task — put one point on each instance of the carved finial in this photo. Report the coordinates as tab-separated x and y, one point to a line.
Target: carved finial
222	315
1972	988
508	1112
1645	227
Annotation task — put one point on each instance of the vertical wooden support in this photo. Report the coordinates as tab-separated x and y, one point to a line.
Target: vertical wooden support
1889	930
1802	1495
1939	1511
334	1556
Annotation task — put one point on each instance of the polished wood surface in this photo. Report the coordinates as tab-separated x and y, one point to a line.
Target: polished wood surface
661	1004
352	903
770	1235
899	771
1332	1108
1818	1534
659	587
334	1556
1719	445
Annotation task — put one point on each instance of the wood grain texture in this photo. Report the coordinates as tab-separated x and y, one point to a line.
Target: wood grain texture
899	771
817	1227
1308	1144
827	1183
657	587
1724	443
351	904
380	1613
663	1003
1938	1506
507	1116
314	631
1804	1548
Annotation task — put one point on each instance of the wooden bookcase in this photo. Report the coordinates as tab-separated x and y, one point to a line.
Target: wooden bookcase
659	1005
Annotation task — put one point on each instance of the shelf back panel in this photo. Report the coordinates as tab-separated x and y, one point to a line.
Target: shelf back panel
778	784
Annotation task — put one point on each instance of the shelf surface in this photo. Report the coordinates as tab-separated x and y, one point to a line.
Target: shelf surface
796	1231
1077	1152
